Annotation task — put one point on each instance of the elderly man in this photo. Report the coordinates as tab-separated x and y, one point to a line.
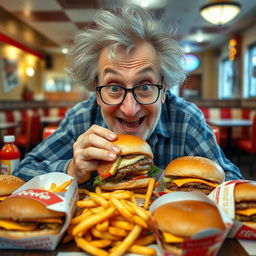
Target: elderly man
130	65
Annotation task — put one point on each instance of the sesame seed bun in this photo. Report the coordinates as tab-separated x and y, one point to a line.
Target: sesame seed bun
131	144
9	183
195	167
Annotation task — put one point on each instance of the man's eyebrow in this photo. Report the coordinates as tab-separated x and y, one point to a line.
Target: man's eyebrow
145	70
110	70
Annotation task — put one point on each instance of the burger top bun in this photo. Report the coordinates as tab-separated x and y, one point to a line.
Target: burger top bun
9	183
245	192
195	167
188	217
25	209
131	144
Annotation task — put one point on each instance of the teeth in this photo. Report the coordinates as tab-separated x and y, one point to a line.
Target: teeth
131	123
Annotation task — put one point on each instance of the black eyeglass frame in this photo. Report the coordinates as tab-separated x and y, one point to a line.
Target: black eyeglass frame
160	87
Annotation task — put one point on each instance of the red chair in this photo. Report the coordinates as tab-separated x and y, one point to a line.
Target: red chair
31	132
48	130
249	145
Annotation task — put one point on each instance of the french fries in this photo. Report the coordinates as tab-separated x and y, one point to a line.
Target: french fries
56	189
111	223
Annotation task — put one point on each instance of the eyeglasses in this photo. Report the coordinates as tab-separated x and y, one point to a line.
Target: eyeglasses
144	94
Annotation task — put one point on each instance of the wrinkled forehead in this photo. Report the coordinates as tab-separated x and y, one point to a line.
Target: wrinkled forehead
142	52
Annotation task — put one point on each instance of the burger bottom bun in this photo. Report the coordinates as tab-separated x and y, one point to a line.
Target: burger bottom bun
173	249
11	234
202	190
129	184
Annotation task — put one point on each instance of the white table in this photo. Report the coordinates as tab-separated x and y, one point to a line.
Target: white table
229	124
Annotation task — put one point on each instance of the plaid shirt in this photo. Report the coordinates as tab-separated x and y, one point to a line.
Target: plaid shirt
181	130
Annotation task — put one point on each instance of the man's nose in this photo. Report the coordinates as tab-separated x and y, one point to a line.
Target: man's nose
130	106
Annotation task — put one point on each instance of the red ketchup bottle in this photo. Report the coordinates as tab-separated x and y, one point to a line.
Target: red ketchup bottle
9	155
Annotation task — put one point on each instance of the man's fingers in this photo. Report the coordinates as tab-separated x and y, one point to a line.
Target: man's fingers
96	153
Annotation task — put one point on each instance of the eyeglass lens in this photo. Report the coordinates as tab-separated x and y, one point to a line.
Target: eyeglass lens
145	94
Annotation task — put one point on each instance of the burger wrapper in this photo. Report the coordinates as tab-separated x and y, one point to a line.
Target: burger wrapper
62	202
223	195
207	242
159	190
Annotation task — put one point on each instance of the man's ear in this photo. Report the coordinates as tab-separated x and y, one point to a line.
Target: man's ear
164	94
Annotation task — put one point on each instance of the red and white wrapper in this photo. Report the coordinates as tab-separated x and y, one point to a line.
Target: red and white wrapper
207	242
62	202
223	195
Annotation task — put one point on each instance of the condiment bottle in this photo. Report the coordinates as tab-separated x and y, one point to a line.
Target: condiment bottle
9	155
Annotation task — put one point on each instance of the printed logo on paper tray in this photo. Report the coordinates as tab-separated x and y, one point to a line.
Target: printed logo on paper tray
246	232
45	197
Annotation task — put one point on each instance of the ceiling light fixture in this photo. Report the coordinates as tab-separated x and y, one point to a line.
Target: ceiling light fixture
220	12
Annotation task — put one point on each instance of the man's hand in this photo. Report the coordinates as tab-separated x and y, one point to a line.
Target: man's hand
90	147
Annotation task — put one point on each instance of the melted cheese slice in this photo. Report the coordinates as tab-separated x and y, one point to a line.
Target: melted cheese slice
170	238
180	182
122	162
126	161
3	197
12	225
247	212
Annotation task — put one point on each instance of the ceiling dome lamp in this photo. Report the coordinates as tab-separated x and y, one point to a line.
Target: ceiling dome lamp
220	12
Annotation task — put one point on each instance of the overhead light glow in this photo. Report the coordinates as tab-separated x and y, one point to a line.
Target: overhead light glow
64	50
30	71
144	4
220	12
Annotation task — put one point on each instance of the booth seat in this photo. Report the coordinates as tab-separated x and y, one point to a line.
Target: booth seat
230	113
18	115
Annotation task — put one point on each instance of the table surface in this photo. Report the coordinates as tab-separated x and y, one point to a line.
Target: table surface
229	247
230	122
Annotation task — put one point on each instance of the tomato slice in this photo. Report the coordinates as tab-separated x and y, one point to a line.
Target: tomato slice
140	177
104	169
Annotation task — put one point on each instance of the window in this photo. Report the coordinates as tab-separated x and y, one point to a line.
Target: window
57	82
252	71
226	79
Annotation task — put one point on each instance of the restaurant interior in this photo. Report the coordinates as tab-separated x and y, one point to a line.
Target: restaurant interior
220	59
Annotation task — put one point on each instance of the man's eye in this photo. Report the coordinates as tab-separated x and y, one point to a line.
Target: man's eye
145	87
114	88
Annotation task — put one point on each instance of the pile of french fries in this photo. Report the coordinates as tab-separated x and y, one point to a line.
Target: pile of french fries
112	223
57	189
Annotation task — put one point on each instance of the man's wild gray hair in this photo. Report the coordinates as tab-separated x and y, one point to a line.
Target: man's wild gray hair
123	27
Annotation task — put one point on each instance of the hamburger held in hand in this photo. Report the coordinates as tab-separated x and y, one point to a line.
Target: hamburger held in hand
180	220
8	184
188	173
245	203
22	217
132	168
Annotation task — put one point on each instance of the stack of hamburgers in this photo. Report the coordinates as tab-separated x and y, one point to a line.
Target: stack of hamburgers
8	184
189	173
132	168
245	203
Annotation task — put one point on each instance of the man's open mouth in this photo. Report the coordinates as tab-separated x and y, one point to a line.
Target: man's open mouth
131	124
